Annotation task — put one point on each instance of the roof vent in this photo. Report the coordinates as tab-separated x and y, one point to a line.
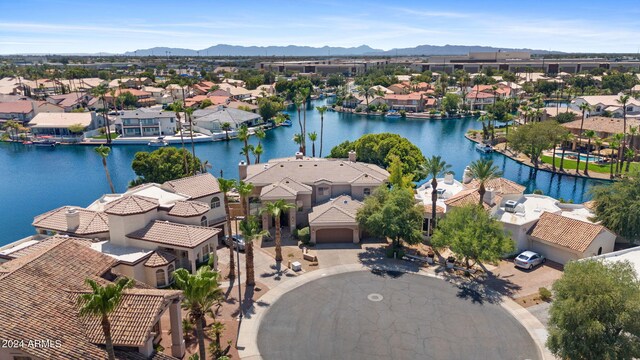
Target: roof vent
345	202
300	165
281	165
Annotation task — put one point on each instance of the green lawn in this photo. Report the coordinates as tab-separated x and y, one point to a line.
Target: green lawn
104	136
572	164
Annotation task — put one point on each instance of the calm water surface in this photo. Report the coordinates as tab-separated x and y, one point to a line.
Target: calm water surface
36	180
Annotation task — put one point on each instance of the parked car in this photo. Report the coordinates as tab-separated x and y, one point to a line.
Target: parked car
529	260
237	241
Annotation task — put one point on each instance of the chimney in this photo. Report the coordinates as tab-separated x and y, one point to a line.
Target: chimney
448	178
299	156
242	170
73	219
466	177
352	156
489	197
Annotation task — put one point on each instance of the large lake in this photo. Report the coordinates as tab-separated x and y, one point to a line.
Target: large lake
36	180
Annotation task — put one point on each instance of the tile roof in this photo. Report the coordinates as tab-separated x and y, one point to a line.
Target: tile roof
60	120
20	106
566	232
131	205
285	188
189	208
168	233
133	319
91	222
501	186
309	170
39	246
342	209
602	124
159	258
465	197
69	99
195	187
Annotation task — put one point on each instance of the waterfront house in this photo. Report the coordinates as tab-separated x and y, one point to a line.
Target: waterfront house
605	128
144	98
601	104
54	271
70	101
151	229
318	189
211	119
21	110
57	124
413	102
146	122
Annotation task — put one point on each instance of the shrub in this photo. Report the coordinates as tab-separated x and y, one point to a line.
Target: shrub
303	235
403	113
538	192
545	294
391	250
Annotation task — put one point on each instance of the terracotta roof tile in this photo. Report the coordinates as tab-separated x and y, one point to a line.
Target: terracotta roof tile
501	186
189	208
196	186
164	232
465	197
91	222
342	209
131	205
160	258
20	106
566	232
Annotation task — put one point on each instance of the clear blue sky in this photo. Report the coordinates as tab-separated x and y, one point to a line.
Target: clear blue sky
75	26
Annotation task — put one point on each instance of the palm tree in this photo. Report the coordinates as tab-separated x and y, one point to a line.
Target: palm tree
100	92
201	291
298	100
313	137
633	132
177	108
321	110
297	138
629	154
589	134
276	209
305	96
485	118
188	112
250	230
245	190
103	152
619	139
257	152
584	107
226	127
243	134
225	186
598	143
366	91
102	301
566	137
614	144
433	167
483	170
623	100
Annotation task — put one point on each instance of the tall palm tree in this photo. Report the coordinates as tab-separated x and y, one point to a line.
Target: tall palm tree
584	107
201	291
245	190
227	185
619	139
614	144
243	134
100	92
297	138
250	229
633	132
226	127
313	136
367	92
483	170
258	150
565	138
276	209
177	108
433	167
485	119
623	100
103	152
321	110
188	112
298	100
598	144
589	134
305	92
629	154
103	301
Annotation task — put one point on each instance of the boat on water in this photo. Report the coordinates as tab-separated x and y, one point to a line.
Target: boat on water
287	122
44	141
484	148
159	142
392	114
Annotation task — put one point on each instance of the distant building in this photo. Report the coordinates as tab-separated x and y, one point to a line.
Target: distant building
57	124
601	104
213	119
21	110
146	122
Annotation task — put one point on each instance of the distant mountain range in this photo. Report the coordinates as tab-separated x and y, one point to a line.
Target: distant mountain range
294	50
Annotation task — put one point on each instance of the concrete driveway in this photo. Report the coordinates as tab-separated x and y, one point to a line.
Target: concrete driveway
389	315
515	282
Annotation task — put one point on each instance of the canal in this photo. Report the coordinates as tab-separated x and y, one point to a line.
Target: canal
36	180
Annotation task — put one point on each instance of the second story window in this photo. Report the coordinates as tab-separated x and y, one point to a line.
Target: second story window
366	191
215	202
322	191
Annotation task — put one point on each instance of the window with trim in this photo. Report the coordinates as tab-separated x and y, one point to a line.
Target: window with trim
203	221
323	190
366	191
215	202
160	279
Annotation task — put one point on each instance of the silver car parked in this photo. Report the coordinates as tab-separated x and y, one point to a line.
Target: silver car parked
237	241
528	260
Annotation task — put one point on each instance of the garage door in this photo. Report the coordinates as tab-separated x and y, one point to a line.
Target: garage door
324	236
560	256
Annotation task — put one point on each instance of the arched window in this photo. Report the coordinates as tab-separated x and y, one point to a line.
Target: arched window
366	191
215	202
170	273
160	279
203	221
